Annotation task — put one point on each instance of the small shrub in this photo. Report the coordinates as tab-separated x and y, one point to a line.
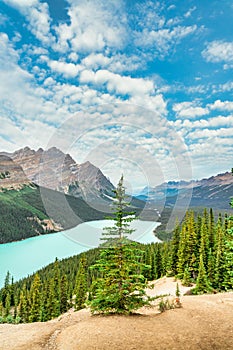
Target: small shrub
178	303
177	290
10	319
166	305
17	320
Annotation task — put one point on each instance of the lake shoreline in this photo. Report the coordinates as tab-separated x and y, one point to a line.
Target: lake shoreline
22	258
64	230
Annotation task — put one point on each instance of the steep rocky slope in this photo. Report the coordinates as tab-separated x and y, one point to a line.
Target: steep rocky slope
12	175
58	171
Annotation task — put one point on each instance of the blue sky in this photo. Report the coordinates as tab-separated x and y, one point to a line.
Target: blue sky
139	87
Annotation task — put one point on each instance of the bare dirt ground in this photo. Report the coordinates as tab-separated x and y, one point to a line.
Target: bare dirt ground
204	322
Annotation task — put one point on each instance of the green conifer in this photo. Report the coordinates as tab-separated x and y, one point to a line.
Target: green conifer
57	289
23	305
186	281
7	304
204	244
35	297
81	285
219	260
121	285
1	309
64	294
228	256
175	248
203	285
211	230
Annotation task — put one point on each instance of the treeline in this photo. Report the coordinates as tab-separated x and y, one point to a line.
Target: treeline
200	252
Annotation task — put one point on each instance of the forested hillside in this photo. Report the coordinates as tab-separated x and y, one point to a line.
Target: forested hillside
22	213
200	252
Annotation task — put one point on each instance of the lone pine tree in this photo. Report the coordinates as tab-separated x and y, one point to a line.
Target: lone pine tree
120	286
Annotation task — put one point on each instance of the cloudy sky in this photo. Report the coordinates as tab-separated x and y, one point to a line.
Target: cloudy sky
140	87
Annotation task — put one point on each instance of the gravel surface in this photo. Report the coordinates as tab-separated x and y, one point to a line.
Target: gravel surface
204	322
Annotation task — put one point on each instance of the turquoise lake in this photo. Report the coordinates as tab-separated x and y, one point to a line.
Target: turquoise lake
25	257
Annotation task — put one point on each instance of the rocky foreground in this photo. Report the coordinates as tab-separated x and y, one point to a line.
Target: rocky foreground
204	322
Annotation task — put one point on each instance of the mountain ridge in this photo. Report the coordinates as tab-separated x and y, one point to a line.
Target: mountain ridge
58	171
215	191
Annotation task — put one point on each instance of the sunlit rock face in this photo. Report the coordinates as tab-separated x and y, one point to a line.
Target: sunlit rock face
58	171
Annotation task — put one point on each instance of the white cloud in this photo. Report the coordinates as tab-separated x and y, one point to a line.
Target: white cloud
228	86
189	12
21	3
94	61
36	50
7	50
189	110
21	98
73	56
163	39
154	103
222	105
69	70
37	14
32	133
201	89
219	51
49	81
94	26
64	34
91	48
211	133
148	15
116	63
117	83
214	122
171	7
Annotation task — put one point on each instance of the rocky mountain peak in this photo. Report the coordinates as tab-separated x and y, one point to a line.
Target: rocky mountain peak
53	151
56	170
23	152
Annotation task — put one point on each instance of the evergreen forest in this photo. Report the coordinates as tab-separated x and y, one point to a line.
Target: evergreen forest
200	254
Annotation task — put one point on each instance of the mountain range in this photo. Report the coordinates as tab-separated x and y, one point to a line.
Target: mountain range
215	192
46	190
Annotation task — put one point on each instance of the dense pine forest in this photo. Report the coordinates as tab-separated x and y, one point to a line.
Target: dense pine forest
200	253
22	212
